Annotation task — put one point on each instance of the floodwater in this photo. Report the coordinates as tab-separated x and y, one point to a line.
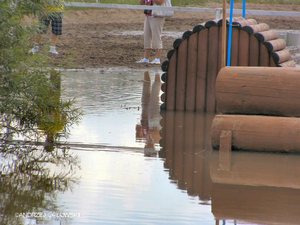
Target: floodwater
130	164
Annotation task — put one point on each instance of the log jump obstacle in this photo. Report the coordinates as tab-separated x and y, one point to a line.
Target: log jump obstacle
192	66
260	109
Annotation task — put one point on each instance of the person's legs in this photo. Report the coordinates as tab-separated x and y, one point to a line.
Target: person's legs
147	40
157	24
44	23
56	22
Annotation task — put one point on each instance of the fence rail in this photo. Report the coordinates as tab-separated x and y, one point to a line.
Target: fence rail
183	9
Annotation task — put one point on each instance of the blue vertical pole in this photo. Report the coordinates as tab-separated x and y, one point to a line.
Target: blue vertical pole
244	9
230	34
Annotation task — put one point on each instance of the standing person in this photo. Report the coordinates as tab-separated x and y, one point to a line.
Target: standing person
53	16
153	26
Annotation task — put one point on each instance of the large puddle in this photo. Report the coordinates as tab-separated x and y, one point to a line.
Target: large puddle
131	164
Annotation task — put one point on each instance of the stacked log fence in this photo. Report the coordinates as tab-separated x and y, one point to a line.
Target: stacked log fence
192	66
258	109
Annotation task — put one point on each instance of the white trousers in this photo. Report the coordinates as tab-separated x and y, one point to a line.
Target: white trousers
153	27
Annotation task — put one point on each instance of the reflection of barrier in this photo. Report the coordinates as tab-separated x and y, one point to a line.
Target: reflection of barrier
257	91
185	143
254	187
193	64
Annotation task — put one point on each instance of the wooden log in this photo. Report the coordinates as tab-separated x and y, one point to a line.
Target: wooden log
259	91
266	35
198	28
264	55
281	56
187	34
212	68
242	22
272	62
165	65
251	29
164	77
235	47
170	53
275	45
171	83
181	75
220	51
177	43
201	71
211	23
244	47
253	51
258	133
290	63
190	98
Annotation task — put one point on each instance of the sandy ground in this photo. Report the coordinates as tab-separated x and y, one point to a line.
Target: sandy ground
96	38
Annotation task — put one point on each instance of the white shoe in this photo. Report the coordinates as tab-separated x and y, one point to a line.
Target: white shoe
53	50
143	60
155	61
34	50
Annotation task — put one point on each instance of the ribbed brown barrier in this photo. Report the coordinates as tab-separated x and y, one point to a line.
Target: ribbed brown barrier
258	133
193	64
258	91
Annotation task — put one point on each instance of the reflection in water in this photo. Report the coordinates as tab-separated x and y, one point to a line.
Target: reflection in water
185	145
261	188
30	180
123	187
149	127
252	188
33	168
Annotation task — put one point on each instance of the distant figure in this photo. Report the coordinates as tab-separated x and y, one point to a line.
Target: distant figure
53	16
153	27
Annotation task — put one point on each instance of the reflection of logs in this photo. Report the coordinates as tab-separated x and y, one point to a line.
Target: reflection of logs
258	133
263	91
267	169
185	137
258	188
193	64
259	205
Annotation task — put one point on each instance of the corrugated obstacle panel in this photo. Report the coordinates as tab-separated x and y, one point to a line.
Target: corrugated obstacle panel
193	64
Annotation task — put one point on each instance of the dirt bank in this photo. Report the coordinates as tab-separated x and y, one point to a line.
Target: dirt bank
94	38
